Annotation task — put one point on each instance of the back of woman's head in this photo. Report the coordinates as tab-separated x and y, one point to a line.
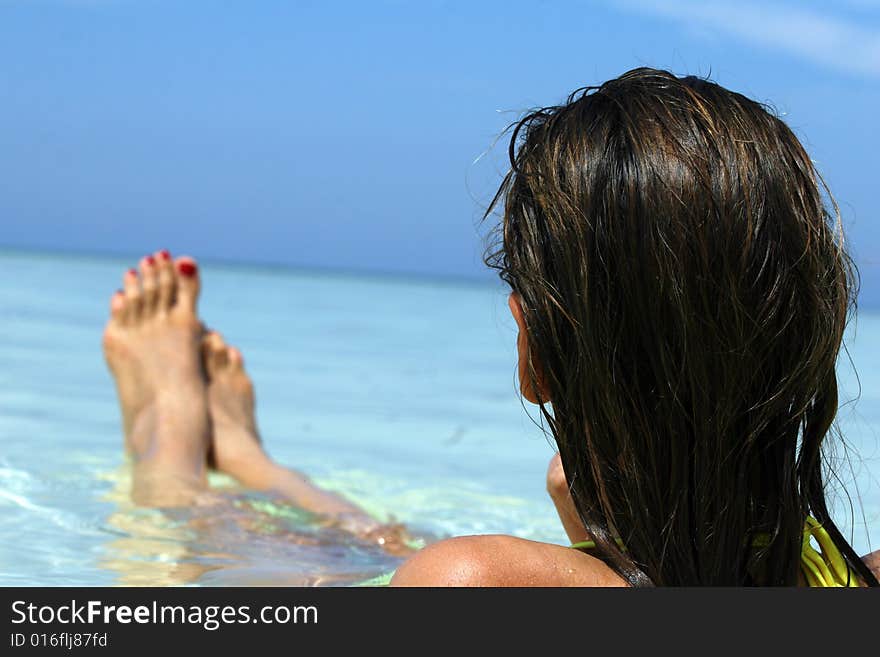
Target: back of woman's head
685	291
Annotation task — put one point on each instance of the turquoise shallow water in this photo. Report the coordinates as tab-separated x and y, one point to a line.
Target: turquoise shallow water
398	393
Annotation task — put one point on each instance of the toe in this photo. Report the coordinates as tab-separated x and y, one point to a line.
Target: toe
187	283
213	341
236	359
114	328
149	284
214	352
166	281
117	306
132	291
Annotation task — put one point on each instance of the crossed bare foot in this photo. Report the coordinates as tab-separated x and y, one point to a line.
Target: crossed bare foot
152	344
237	451
236	448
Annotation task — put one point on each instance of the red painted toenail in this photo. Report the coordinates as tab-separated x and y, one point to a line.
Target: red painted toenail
164	255
187	269
132	272
151	260
119	292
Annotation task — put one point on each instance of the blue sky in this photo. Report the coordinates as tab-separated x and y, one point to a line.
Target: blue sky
360	135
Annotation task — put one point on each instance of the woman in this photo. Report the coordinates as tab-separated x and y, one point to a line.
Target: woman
681	292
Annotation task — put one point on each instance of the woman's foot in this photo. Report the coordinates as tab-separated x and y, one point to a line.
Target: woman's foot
236	448
237	451
152	346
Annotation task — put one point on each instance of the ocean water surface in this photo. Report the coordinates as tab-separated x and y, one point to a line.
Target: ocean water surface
398	393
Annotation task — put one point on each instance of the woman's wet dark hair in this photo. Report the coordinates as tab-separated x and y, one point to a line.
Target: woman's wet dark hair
685	288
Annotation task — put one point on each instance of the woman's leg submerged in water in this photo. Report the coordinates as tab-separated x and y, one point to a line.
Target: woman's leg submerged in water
237	450
184	394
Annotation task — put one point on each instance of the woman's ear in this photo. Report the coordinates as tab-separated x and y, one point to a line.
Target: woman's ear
525	353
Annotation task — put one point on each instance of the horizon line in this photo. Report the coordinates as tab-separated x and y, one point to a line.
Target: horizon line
271	265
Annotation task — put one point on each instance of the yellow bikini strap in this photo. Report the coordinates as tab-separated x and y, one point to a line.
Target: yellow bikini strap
824	568
827	568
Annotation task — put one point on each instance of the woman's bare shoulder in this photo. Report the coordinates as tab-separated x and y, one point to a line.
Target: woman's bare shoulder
873	562
496	560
